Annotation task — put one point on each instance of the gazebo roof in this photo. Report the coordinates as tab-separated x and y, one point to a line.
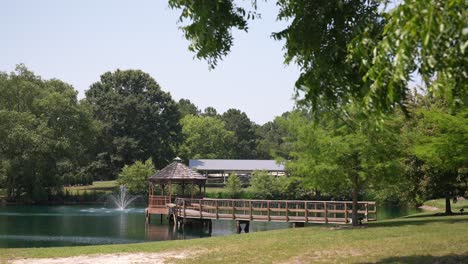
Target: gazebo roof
177	172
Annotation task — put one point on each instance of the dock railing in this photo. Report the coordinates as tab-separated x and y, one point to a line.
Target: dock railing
274	210
158	201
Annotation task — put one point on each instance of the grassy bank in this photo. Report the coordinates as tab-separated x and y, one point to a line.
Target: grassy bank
420	238
440	204
97	186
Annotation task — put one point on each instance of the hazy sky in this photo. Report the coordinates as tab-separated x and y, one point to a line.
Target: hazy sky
77	41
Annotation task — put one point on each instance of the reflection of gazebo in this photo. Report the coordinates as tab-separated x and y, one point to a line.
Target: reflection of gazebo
174	173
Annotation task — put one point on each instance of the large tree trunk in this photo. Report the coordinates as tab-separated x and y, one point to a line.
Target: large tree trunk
448	207
354	216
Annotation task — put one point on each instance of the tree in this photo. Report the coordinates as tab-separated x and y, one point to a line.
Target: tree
210	111
234	186
205	137
348	50
271	139
441	141
264	186
46	135
333	156
244	132
135	176
316	39
187	108
139	120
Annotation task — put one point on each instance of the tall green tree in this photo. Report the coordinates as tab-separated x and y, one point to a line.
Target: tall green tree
334	156
441	142
46	135
187	108
140	121
205	138
244	131
271	142
210	111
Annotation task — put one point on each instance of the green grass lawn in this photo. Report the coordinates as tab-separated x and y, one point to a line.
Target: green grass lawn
420	238
99	186
440	203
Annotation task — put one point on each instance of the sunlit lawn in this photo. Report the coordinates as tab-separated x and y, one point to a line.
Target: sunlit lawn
419	238
99	186
440	203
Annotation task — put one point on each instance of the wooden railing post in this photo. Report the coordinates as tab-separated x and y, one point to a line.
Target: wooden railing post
325	211
250	205
268	210
201	208
306	214
346	212
233	210
287	212
217	213
334	211
367	212
183	205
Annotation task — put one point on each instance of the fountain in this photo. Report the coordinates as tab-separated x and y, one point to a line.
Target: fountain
122	199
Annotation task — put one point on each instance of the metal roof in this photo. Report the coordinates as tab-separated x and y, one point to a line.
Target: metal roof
177	171
235	165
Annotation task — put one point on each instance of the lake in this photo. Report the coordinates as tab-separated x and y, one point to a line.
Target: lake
48	226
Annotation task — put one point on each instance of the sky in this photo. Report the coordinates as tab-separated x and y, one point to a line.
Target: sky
77	41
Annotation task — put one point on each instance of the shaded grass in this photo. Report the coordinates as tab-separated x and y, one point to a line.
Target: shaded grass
98	186
424	239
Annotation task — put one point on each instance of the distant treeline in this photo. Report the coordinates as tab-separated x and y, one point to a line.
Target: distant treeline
50	139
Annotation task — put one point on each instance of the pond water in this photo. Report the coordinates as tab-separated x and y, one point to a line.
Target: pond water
47	226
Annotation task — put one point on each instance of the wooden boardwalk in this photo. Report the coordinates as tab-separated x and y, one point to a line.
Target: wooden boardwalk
336	212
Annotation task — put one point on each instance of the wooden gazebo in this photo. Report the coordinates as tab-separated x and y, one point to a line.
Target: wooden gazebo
174	173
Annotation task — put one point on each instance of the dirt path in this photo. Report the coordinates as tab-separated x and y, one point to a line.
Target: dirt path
140	258
429	208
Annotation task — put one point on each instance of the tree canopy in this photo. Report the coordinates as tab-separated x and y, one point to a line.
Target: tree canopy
356	51
205	137
45	135
140	120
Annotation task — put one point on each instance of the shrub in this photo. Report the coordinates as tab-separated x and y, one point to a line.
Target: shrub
135	176
264	186
234	186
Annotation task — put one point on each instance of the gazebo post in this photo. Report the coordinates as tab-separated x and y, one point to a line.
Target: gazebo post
170	191
191	191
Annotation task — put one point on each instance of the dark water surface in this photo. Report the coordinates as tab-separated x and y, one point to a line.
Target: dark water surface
48	226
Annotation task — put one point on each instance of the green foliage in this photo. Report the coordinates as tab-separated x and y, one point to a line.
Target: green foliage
271	139
334	156
264	186
441	142
135	177
210	28
424	37
46	135
244	131
187	108
140	121
210	111
316	39
205	137
234	186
